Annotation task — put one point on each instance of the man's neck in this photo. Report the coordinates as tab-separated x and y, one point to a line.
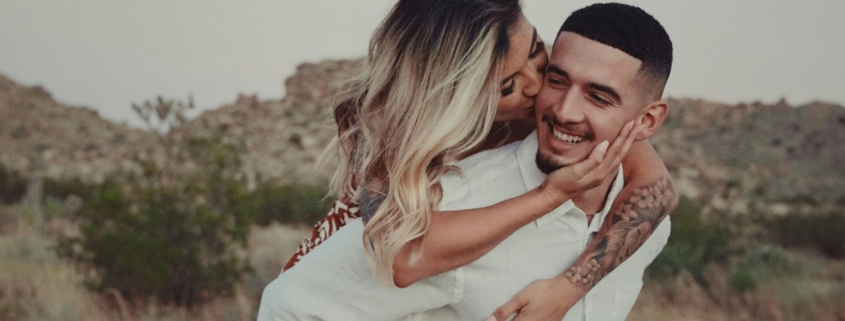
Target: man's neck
592	201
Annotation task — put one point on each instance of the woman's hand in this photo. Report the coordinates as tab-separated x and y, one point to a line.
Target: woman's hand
574	179
541	300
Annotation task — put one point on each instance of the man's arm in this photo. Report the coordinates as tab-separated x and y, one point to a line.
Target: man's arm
646	200
635	214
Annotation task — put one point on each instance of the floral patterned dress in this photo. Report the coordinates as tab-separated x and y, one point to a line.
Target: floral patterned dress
342	212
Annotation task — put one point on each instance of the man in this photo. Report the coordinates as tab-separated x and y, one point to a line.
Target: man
608	67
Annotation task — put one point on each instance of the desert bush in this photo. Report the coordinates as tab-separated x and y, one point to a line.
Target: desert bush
761	262
178	237
824	233
12	185
693	244
291	204
62	188
181	243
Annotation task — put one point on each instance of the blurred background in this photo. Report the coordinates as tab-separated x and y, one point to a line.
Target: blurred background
157	158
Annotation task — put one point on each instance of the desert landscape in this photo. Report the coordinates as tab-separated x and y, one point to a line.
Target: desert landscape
759	233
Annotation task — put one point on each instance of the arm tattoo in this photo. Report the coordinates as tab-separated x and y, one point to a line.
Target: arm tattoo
631	222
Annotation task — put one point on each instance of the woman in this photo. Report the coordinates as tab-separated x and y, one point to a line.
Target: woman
444	80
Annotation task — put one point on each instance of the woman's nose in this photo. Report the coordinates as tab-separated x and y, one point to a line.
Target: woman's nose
534	80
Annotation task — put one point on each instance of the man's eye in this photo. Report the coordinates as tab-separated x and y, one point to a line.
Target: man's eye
600	100
555	81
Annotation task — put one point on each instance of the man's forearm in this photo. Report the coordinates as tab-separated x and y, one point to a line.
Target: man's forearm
634	217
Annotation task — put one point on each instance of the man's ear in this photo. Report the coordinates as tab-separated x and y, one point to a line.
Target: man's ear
652	117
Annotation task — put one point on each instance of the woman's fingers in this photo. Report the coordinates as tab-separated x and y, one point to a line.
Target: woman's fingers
619	148
505	311
597	156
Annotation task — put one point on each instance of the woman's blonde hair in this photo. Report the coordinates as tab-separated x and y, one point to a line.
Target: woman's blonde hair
428	94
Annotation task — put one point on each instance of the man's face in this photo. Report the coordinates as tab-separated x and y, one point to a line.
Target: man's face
590	91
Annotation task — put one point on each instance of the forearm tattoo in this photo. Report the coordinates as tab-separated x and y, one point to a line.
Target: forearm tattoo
631	222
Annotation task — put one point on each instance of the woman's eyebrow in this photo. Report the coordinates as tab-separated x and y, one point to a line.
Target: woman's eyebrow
530	50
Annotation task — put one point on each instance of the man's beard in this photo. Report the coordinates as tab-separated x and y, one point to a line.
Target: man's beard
546	164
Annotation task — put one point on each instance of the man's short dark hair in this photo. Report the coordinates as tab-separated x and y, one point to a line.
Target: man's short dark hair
629	29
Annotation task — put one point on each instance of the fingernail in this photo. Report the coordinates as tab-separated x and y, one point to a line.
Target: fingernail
603	146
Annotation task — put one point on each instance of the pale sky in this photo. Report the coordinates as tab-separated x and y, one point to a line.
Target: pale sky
106	54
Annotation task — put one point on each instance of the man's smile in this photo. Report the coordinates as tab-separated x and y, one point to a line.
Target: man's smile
570	139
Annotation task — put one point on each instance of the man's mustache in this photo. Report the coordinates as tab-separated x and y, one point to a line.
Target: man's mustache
578	129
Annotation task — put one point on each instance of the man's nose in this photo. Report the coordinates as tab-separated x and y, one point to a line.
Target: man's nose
568	108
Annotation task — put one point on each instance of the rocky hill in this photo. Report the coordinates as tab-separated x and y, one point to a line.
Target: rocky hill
40	135
282	138
735	158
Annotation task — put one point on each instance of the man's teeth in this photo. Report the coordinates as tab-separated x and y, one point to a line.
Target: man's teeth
567	138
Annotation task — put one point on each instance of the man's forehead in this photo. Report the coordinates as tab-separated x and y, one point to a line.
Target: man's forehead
578	55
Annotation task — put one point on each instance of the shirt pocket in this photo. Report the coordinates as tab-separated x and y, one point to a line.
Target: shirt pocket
624	299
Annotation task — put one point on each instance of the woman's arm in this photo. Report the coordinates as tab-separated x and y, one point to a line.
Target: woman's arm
645	201
457	238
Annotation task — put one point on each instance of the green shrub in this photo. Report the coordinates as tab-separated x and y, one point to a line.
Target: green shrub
824	233
742	280
12	186
61	188
296	204
761	262
160	241
693	243
179	237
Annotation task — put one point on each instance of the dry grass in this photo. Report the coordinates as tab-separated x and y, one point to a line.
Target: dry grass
817	296
35	285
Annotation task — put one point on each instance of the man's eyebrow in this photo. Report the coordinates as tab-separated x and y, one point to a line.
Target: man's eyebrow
607	90
556	70
552	69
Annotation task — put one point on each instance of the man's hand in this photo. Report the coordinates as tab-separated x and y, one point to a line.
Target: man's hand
546	299
571	180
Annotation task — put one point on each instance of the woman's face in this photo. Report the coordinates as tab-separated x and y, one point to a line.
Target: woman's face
522	73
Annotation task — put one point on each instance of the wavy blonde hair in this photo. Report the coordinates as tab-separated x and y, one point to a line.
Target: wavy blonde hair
429	93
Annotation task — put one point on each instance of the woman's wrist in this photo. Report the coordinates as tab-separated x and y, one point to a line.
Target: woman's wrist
553	196
566	291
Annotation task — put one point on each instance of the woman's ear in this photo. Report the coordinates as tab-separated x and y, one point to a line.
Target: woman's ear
651	118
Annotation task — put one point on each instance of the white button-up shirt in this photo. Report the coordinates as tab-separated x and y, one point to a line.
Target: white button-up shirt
334	281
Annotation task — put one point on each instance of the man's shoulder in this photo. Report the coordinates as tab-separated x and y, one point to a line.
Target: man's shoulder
499	159
488	164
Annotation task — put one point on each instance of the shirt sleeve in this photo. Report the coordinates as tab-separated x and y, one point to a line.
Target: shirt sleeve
334	282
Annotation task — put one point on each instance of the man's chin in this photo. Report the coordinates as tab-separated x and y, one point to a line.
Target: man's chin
547	164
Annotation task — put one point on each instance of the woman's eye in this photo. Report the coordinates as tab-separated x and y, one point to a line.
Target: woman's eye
541	46
509	90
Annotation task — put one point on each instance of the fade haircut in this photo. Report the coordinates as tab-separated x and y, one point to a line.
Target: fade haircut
629	29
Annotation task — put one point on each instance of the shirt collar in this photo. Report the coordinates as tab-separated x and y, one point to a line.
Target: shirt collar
533	177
